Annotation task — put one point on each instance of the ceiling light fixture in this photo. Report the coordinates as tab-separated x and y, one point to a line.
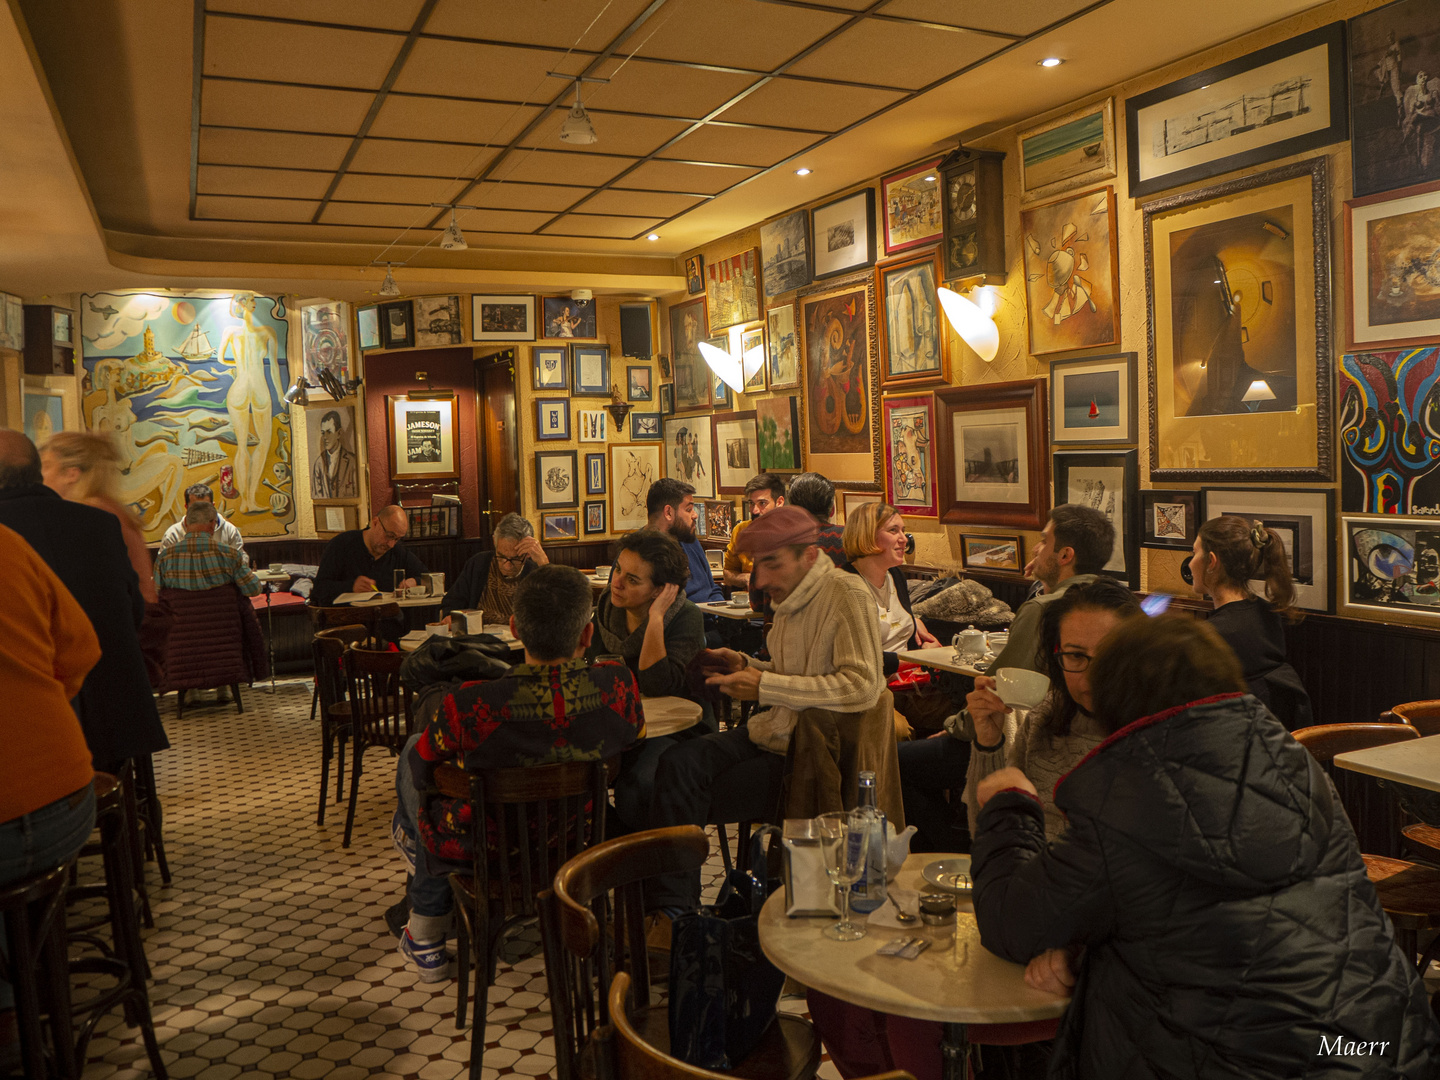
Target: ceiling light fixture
388	286
577	128
297	395
453	239
975	327
930	179
653	236
1051	61
802	172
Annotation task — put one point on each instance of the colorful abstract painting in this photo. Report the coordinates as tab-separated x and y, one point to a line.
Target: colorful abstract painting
1390	432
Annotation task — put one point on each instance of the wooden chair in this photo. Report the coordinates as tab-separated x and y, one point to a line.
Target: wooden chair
380	713
368	616
592	922
329	651
525	823
637	1059
1424	717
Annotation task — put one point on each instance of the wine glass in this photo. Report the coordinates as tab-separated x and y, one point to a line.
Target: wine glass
844	839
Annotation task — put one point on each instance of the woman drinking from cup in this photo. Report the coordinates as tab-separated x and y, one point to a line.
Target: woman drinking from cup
875	545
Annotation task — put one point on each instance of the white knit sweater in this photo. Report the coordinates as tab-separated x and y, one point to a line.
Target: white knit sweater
824	653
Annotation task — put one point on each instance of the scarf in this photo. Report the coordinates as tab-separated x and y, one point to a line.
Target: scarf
615	632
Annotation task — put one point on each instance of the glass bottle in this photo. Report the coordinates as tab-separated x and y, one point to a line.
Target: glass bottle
868	893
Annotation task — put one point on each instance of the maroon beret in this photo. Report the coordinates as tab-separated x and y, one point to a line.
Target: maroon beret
781	527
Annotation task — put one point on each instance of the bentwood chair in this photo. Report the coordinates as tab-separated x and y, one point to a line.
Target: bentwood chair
380	712
1423	716
328	648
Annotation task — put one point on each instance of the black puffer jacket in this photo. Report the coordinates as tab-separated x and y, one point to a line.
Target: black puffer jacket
1215	881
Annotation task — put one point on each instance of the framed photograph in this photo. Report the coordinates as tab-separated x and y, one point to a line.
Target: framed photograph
992	455
325	340
1070	151
692	375
695	274
367	325
752	343
688	453
1391	566
846	501
978	552
732	290
397	322
591	364
424	437
910	204
638	385
594	474
557	528
567	318
667	399
1392	109
1169	519
1302	517
1275	102
45	413
785	254
502	318
594	517
719	519
702	529
555	480
592	424
437	321
332	452
737	453
333	518
909	424
782	348
633	468
62	325
645	427
1388	466
1240	372
1093	400
551	365
552	418
777	433
1391	269
1072	275
914	345
841	423
844	233
1108	481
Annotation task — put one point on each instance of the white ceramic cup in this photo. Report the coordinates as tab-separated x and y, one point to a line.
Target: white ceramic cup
416	592
437	629
276	567
1020	688
603	573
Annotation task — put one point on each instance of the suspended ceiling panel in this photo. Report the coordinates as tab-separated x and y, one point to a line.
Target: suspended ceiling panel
292	52
558	23
1015	17
384	14
274	149
740	146
516	196
418	158
893	54
735	33
446	120
283	183
599	225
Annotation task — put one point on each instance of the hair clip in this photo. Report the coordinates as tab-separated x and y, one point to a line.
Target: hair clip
1259	535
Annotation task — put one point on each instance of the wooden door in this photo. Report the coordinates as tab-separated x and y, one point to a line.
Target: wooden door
497	442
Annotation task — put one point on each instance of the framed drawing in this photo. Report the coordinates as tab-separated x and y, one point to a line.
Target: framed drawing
782	348
846	501
752	344
332	452
1302	517
1240	372
737	455
633	468
45	412
910	203
638	386
719	519
398	323
844	233
551	365
595	517
914	345
1389	432
1070	151
594	474
777	433
1393	88
1072	276
552	418
591	364
325	340
695	274
992	457
1169	519
1107	481
687	453
732	290
332	518
692	375
502	318
567	318
437	321
424	436
785	253
1391	268
645	427
909	425
555	480
841	425
979	552
1278	101
1392	566
592	424
558	528
667	399
367	325
1093	400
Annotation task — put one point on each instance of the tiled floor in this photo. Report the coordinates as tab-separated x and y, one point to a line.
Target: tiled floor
270	952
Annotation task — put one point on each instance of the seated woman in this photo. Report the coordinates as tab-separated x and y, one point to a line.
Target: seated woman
875	545
1211	878
1229	553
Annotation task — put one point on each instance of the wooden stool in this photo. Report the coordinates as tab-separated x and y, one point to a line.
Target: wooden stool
34	917
150	817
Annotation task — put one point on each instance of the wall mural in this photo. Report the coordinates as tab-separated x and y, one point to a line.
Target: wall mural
192	388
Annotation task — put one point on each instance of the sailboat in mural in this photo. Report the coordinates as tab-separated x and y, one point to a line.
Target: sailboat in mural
197	346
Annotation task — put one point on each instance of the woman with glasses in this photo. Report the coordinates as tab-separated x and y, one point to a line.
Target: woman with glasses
488	578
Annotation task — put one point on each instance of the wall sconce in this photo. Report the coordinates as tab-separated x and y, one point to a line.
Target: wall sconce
734	372
333	385
297	394
618	407
974	325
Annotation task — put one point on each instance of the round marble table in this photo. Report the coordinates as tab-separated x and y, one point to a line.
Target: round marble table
667	715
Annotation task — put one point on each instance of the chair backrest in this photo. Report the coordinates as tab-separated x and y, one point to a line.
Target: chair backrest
1373	811
380	706
1423	716
329	649
592	924
368	616
205	647
1324	741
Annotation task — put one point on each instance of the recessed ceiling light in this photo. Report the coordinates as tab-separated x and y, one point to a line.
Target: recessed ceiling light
653	236
930	179
1051	61
802	172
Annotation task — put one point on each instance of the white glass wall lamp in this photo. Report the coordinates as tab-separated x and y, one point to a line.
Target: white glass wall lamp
974	324
730	366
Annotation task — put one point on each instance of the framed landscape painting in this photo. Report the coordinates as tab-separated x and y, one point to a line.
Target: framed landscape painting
910	203
785	253
558	528
1302	517
1093	400
979	552
1107	481
910	454
992	454
1072	276
777	421
1068	151
842	403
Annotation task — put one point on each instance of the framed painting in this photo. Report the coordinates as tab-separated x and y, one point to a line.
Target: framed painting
910	204
841	422
1278	101
44	413
847	501
1093	400
565	317
914	347
555	480
594	517
595	474
1107	481
701	522
331	452
752	344
1392	271
688	453
325	340
398	323
1240	372
737	454
367	326
591	365
633	468
785	254
638	382
782	348
1388	465
552	418
1392	566
1069	151
909	424
437	321
1072	275
1394	81
777	433
732	290
558	528
844	233
692	375
502	318
592	424
1169	519
991	453
984	552
667	399
719	519
695	274
645	427
1303	519
551	364
424	437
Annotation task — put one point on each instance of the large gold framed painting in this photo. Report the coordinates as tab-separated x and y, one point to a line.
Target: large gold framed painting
842	403
1238	283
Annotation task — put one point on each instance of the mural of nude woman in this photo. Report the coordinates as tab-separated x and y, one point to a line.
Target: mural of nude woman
143	469
251	347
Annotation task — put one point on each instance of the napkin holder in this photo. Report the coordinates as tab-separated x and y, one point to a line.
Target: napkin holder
434	584
808	889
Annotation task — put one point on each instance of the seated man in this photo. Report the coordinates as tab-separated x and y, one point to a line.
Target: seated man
225	532
671	506
489	578
200	561
365	560
763	493
551	708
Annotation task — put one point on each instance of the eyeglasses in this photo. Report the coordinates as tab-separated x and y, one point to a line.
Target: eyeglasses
391	536
510	560
1072	661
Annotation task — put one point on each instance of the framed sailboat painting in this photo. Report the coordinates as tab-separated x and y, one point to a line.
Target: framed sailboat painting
1092	400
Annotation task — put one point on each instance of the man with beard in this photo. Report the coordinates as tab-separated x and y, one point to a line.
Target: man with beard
488	578
671	506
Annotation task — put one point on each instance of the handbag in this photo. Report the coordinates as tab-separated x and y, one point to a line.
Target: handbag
724	991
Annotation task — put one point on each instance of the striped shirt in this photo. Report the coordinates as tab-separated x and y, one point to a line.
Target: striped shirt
199	562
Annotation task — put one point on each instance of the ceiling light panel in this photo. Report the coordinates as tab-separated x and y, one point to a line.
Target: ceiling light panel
680	176
740	145
555	24
386	14
815	106
287	52
231	146
284	108
235	180
406	117
734	33
866	53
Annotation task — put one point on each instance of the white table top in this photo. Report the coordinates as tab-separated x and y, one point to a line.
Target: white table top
1415	762
272	575
413	640
389	598
956	980
730	611
667	715
941	657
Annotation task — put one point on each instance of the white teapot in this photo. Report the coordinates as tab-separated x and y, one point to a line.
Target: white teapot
969	643
897	848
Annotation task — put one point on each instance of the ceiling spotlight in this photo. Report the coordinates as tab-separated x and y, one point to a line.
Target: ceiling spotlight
388	286
930	179
802	172
653	236
1051	61
577	128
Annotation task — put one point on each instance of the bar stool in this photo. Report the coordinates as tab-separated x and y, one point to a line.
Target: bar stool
34	964
151	818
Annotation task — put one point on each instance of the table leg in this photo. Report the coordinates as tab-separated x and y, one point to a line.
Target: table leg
954	1052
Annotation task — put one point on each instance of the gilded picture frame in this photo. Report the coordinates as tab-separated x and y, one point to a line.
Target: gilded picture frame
914	334
840	420
1390	300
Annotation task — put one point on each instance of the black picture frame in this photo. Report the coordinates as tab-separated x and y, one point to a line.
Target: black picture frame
667	399
1125	518
397	324
546	460
594	474
834	267
1393	38
590	525
1194	510
1306	517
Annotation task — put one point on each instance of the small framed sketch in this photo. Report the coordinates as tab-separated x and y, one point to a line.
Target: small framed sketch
1169	519
557	528
645	427
910	202
567	318
667	399
633	468
591	423
1092	400
397	321
552	418
844	232
594	517
552	367
502	318
594	474
555	483
992	552
638	385
367	321
592	369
